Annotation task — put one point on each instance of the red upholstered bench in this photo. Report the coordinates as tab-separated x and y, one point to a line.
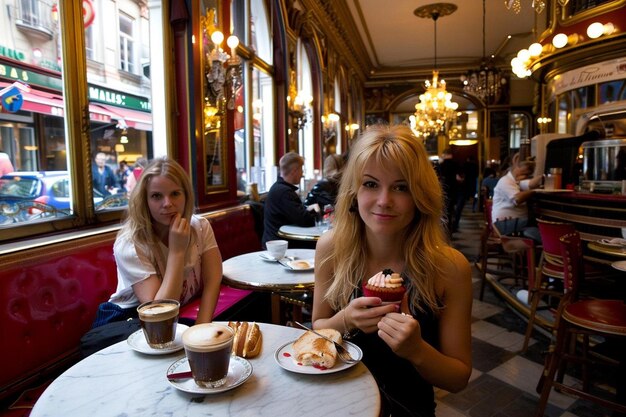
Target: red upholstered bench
49	296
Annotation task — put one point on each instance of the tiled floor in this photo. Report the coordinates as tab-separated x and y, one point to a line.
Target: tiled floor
503	381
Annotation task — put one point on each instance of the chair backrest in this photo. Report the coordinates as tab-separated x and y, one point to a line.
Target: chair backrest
551	232
488	206
572	255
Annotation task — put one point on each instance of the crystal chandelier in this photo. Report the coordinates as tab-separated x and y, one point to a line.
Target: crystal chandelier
435	108
538	5
485	82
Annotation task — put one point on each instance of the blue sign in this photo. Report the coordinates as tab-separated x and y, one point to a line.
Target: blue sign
12	100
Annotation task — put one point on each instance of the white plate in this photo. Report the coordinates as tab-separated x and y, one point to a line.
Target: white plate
137	342
621	265
558	190
267	257
302	264
284	357
615	242
239	370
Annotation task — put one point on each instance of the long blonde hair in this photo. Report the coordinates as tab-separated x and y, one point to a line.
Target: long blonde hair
138	224
423	239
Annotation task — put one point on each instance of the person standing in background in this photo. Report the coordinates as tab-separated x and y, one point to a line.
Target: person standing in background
133	178
448	171
5	164
103	177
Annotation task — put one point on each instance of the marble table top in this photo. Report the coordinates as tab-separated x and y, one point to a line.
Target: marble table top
118	381
301	233
253	271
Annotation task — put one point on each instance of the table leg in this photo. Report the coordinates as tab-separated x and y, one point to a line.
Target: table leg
276	314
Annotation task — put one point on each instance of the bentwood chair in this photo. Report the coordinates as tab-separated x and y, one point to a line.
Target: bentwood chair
497	256
547	290
582	320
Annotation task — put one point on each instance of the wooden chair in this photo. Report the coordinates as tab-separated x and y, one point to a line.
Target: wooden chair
583	318
492	252
548	286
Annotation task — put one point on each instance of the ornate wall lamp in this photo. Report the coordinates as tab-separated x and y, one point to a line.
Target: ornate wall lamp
299	105
223	71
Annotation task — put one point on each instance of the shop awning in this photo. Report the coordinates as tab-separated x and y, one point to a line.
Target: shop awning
52	104
133	118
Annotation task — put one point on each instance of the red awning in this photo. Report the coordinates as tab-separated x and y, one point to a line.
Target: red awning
133	118
52	104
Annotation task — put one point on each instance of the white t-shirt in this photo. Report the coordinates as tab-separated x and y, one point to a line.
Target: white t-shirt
133	267
504	199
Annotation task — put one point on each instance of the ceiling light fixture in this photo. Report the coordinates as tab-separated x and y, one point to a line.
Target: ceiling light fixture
435	108
485	82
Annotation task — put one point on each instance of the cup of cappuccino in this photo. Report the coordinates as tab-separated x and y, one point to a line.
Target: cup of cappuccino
158	320
208	347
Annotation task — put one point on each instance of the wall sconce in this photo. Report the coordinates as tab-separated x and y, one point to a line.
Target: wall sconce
223	71
299	109
543	122
329	126
597	29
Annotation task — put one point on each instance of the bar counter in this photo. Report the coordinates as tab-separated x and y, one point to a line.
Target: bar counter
595	216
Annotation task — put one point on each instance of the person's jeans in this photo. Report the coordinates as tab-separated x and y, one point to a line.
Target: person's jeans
518	227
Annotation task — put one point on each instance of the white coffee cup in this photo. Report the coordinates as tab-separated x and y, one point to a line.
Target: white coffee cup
276	248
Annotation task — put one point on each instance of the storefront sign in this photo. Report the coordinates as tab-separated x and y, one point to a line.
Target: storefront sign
12	53
96	93
116	98
588	75
12	100
30	77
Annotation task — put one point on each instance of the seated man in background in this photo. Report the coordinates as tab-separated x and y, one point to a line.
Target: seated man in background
282	204
510	211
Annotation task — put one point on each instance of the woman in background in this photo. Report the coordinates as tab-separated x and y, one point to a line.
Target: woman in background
325	191
389	215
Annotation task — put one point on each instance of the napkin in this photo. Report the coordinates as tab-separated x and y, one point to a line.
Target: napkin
614	242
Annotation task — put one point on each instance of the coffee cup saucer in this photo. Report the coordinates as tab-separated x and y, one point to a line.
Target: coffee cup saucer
239	370
137	342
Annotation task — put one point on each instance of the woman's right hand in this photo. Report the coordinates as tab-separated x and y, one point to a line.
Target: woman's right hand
180	233
364	313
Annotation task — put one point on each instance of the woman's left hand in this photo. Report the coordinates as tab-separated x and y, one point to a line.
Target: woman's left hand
401	332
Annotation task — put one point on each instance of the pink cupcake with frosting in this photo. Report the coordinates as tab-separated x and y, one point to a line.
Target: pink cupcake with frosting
387	285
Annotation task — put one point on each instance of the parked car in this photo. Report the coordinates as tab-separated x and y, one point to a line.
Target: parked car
29	195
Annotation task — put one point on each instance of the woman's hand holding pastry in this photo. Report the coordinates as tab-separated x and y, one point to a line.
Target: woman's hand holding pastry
364	313
401	332
180	233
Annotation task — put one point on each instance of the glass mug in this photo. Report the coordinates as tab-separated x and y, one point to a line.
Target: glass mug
208	347
158	320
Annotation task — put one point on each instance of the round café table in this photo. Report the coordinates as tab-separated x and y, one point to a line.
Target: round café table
118	381
611	250
251	271
310	234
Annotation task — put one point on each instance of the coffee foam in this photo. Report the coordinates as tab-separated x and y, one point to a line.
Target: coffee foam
158	311
207	337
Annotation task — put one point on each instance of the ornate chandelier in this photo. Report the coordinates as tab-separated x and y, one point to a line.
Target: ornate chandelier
436	107
538	5
485	82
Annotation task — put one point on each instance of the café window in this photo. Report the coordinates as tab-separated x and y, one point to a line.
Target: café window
254	112
41	132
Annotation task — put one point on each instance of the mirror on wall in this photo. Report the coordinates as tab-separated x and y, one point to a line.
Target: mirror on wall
214	59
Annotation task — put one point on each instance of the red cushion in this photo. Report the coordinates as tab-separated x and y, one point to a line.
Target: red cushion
228	297
607	316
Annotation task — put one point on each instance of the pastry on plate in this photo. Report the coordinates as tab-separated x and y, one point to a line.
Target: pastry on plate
312	350
248	339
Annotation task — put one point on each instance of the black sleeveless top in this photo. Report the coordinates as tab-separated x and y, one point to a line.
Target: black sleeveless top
403	390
